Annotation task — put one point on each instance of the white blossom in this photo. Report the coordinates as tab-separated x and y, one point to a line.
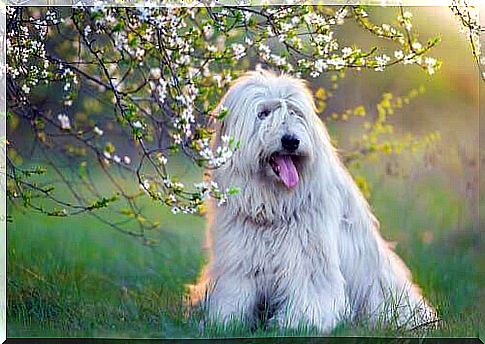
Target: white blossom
137	124
163	159
347	51
407	15
416	46
145	185
177	139
156	73
64	120
25	88
98	131
398	54
430	64
381	62
87	30
239	51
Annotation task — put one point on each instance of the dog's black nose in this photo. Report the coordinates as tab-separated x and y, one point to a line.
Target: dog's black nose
290	142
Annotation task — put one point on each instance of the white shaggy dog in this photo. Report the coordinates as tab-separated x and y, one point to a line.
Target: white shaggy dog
298	245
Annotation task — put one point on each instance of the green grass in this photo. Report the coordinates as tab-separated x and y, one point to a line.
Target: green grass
74	277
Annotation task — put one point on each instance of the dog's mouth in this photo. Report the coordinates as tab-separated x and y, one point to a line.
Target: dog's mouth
284	166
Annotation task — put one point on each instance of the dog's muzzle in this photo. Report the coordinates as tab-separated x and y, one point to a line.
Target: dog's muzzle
284	162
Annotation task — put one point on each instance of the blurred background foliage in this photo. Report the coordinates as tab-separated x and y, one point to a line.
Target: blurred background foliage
73	276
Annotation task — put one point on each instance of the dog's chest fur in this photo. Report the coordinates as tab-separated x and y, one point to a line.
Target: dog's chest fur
272	251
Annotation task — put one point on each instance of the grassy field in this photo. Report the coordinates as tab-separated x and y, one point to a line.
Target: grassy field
73	277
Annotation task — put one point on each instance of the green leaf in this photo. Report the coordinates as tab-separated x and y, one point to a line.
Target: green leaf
222	114
233	190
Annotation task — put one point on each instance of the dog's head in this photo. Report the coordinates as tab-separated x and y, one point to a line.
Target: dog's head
273	117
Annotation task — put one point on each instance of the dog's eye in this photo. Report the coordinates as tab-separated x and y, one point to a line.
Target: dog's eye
264	114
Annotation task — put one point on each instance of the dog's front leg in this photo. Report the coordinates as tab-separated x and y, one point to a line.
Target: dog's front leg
231	299
312	299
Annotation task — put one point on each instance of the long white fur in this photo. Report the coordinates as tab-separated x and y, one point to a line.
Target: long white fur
313	254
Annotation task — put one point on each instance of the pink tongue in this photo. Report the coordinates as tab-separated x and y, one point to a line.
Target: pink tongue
287	170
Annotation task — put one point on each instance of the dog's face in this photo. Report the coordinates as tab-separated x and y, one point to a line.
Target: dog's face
284	149
274	120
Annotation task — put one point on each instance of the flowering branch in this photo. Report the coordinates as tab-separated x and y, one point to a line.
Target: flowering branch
87	83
